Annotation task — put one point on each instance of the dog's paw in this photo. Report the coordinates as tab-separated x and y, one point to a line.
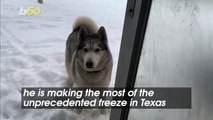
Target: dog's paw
78	111
104	111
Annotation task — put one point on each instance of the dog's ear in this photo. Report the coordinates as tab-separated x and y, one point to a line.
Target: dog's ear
102	34
82	33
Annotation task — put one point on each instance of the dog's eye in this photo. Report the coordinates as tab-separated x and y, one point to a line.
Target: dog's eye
85	49
97	50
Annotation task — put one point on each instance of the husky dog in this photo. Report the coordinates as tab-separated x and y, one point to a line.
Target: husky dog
88	58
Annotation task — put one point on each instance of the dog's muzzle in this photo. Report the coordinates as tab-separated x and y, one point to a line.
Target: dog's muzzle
89	64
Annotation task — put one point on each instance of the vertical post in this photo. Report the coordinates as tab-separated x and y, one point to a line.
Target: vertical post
137	13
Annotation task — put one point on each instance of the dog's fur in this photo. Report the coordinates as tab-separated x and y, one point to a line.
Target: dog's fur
88	59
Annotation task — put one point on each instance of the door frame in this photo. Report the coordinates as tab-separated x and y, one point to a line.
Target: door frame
136	19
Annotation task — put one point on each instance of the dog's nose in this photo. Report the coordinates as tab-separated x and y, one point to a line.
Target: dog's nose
89	64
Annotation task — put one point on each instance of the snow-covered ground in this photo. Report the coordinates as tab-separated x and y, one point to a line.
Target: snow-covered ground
32	50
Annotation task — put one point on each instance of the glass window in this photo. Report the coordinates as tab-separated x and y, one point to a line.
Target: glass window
177	52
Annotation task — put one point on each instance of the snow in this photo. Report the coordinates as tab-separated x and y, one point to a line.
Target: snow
32	50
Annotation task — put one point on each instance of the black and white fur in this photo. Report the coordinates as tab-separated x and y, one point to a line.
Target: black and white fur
88	58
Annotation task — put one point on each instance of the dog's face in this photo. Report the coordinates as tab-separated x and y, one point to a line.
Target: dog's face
92	54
